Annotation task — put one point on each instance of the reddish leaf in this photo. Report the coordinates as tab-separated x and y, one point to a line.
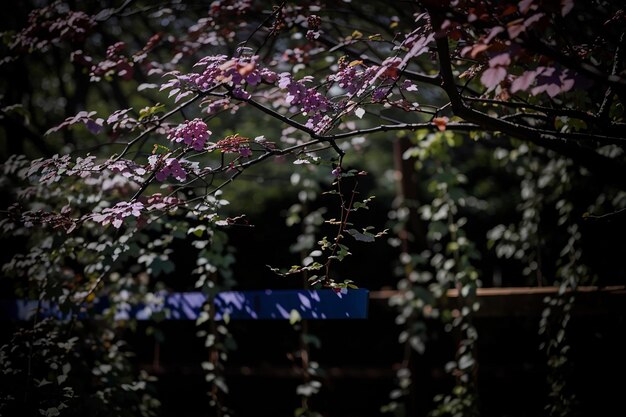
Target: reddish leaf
509	10
246	69
455	34
441	123
477	49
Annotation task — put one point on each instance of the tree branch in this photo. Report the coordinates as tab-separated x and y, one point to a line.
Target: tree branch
610	170
157	124
603	112
405	126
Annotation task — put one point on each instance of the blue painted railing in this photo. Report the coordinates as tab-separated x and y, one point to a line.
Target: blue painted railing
229	305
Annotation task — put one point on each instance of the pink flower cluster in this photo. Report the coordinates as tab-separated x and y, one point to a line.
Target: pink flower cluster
126	168
116	214
218	69
244	71
350	78
193	133
310	101
355	79
166	167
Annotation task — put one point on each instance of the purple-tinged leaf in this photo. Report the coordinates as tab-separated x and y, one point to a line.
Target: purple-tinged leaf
117	115
566	6
492	77
524	81
500	60
493	32
361	237
525	5
93	126
181	96
146	86
533	19
409	86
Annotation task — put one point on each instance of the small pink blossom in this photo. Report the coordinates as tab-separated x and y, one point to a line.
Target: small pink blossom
219	69
171	168
245	152
193	133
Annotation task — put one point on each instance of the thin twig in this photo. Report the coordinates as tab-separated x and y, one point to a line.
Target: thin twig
157	124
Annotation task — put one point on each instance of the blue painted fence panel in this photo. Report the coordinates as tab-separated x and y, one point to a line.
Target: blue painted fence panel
278	304
236	305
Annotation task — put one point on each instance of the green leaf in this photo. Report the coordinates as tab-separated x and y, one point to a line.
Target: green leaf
361	237
18	109
160	149
324	243
198	230
149	111
343	252
314	267
310	339
161	266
